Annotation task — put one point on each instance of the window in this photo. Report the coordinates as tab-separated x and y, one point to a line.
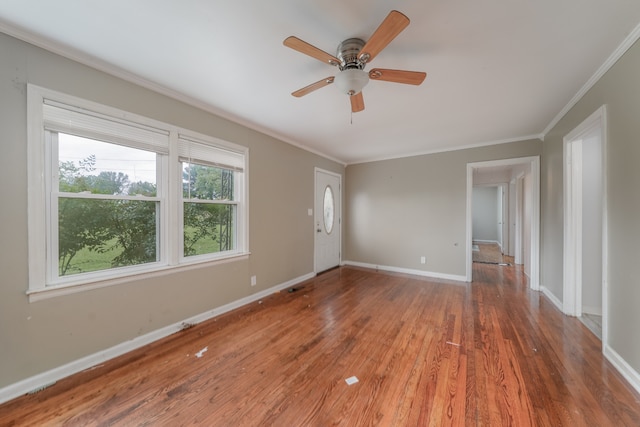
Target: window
211	190
104	205
104	187
328	210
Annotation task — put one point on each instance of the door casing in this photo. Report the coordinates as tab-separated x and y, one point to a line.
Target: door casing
534	162
572	253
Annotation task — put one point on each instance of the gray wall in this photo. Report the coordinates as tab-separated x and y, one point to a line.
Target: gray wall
592	224
36	337
485	213
402	209
619	89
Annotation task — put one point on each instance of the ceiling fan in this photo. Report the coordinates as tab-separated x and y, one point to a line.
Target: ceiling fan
351	58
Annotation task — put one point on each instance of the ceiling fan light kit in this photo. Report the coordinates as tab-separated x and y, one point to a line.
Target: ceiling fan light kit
351	81
352	77
352	56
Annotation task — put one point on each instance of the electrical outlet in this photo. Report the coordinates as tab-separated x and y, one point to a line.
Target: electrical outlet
423	260
253	280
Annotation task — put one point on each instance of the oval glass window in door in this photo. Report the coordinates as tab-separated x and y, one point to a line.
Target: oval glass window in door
328	209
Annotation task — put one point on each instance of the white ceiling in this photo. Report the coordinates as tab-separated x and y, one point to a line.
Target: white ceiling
497	70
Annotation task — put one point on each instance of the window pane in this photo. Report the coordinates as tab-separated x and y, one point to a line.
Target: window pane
208	228
206	182
98	235
328	209
87	165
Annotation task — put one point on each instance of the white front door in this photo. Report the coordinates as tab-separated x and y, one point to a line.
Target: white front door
327	220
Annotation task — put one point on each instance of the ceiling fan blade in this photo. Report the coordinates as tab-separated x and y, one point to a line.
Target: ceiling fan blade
398	76
308	49
313	86
357	102
392	25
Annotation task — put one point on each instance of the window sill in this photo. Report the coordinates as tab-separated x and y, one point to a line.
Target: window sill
73	288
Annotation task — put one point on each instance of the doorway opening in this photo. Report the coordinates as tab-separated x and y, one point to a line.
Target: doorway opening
518	227
490	220
584	275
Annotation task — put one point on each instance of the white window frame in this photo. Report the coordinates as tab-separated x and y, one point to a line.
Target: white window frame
42	284
208	150
52	200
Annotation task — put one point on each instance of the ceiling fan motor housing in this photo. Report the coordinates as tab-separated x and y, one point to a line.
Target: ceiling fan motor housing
348	52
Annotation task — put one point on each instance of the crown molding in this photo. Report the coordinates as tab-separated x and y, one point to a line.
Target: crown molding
445	150
113	70
611	60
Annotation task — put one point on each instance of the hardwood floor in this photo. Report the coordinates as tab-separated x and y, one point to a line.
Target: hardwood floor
425	352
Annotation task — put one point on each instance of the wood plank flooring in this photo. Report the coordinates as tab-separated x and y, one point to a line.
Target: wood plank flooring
425	352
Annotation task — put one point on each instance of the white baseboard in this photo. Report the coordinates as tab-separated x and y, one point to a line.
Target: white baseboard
407	271
587	310
47	378
597	311
552	298
630	374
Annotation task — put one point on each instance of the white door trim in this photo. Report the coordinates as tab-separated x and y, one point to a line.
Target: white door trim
534	162
518	256
504	189
572	258
572	263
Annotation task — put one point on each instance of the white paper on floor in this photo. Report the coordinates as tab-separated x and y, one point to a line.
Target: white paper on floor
351	380
201	352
